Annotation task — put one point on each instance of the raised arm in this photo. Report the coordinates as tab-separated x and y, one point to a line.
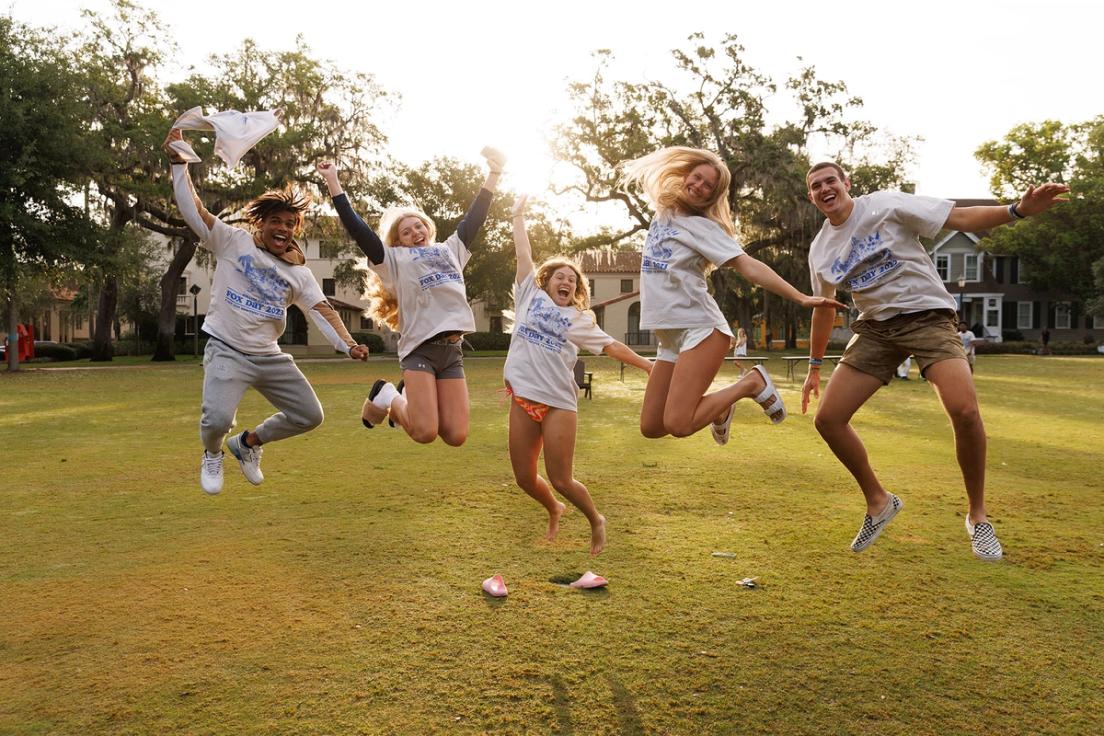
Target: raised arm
763	275
365	237
1035	200
621	351
477	213
521	240
187	201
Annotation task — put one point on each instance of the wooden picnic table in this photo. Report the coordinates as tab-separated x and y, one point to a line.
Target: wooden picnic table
793	360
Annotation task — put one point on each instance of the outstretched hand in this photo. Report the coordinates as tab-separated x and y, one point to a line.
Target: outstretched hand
359	352
812	302
1041	198
518	209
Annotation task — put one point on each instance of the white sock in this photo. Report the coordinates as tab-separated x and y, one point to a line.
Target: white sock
384	398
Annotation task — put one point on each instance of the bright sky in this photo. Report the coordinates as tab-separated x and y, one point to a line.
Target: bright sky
474	73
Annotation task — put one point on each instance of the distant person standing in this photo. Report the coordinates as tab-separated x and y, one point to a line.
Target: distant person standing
1046	341
740	348
871	246
968	340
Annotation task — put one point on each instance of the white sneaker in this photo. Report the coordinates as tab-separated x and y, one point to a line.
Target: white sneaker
720	431
210	473
249	458
872	527
984	541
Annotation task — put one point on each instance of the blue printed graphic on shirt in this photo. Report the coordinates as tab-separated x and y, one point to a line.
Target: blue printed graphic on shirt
436	259
869	261
267	294
656	251
545	325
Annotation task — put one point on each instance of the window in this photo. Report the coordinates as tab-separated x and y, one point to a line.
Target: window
592	291
992	315
182	285
1024	311
366	323
943	267
600	317
1019	275
1098	322
329	288
1062	315
970	267
626	286
330	249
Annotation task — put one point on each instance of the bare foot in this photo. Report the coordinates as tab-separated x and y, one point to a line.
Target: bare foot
598	536
554	521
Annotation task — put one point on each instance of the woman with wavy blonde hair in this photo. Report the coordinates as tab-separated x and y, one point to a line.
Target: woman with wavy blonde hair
418	290
552	321
691	233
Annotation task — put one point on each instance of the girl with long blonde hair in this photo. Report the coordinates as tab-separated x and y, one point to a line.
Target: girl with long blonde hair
552	321
691	233
418	291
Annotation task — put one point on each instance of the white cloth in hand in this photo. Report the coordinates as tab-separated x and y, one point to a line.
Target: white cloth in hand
235	132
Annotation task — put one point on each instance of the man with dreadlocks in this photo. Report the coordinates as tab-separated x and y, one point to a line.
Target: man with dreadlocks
257	276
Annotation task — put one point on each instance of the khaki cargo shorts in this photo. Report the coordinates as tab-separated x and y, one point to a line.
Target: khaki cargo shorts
879	346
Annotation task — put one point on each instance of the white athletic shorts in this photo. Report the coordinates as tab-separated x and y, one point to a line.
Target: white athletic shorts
672	342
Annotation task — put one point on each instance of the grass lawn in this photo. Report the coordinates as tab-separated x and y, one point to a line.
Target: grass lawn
342	596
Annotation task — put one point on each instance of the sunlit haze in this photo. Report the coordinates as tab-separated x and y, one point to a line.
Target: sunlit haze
478	73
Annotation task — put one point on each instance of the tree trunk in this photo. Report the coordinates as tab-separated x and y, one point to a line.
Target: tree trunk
791	325
102	348
165	348
13	332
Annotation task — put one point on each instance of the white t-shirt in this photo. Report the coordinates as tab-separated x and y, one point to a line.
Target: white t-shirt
251	292
429	285
876	255
673	290
547	337
968	340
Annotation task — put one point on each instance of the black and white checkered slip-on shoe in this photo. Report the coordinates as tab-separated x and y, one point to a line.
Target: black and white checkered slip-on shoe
984	540
872	527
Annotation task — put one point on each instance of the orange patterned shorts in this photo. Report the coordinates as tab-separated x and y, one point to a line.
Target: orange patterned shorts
536	410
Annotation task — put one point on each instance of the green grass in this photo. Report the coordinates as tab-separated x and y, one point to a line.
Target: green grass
342	596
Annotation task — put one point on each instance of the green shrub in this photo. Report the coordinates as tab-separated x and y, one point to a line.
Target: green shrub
1017	347
82	349
1012	336
55	351
489	340
1032	348
372	340
1072	348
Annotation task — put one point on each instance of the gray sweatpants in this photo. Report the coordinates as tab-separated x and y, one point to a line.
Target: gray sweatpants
228	373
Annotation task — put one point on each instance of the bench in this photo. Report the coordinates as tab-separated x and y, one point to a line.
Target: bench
583	379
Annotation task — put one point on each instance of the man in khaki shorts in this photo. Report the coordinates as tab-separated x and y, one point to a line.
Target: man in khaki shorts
870	246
